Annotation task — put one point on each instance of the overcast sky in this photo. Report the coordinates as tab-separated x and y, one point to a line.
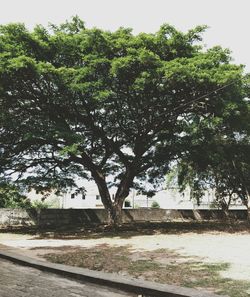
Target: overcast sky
228	20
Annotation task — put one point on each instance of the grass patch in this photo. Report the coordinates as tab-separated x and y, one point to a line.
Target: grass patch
163	266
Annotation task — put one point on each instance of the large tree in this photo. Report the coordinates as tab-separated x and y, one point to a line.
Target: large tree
98	104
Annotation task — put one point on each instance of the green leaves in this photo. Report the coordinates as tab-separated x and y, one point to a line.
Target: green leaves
11	196
94	103
70	149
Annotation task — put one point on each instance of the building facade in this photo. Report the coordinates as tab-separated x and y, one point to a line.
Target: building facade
167	199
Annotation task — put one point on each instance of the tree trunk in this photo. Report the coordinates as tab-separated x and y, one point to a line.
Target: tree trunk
246	202
248	207
121	194
114	211
115	215
114	208
105	197
225	211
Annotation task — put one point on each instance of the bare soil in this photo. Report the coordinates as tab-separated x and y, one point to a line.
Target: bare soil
214	261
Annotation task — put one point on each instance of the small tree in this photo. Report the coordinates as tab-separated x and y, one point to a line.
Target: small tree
223	166
11	196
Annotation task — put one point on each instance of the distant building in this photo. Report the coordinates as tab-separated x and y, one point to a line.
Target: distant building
167	199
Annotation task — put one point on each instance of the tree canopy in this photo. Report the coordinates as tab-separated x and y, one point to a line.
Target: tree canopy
93	104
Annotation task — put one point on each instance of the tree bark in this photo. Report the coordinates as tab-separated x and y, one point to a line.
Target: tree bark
121	194
114	208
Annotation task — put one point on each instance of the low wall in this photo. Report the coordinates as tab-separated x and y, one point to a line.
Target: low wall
84	217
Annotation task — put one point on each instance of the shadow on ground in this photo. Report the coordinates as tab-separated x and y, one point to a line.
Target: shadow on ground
130	230
162	265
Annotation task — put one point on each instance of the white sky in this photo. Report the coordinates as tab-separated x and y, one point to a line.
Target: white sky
229	20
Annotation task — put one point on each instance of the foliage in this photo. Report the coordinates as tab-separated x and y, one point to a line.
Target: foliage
11	196
38	204
224	165
155	204
221	162
92	104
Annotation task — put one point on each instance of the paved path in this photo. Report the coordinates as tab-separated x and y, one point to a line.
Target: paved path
22	281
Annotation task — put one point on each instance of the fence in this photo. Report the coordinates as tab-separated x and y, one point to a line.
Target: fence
82	217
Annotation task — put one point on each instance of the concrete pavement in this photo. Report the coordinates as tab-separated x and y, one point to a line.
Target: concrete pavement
23	281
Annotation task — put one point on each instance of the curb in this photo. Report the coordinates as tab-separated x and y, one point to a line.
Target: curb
108	279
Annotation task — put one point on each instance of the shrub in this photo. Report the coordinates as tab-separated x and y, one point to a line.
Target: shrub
38	204
11	196
155	204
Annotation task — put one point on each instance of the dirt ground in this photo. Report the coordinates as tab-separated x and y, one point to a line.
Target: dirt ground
209	247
